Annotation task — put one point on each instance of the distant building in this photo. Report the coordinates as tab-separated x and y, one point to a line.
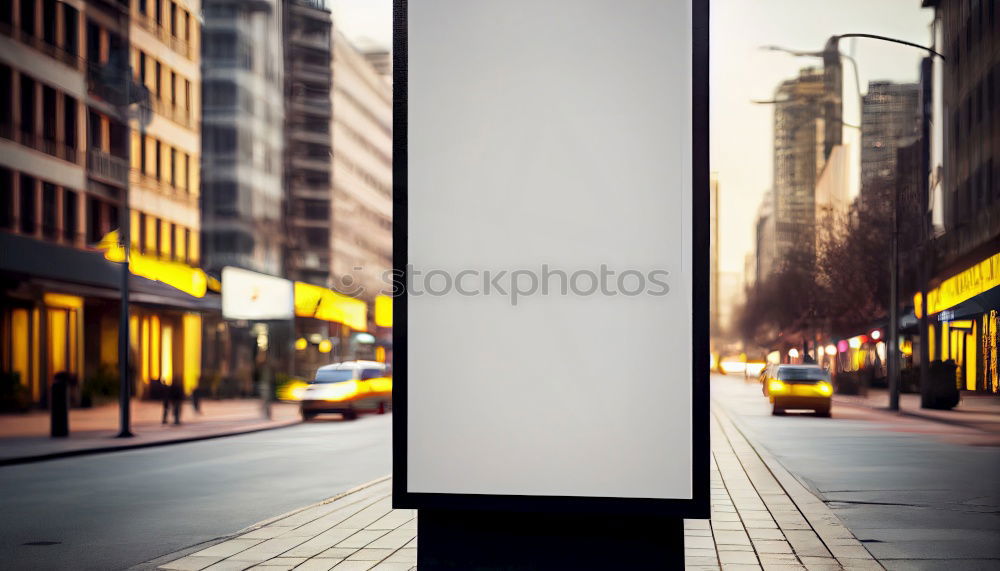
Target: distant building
362	172
242	136
308	141
832	198
766	255
890	119
803	141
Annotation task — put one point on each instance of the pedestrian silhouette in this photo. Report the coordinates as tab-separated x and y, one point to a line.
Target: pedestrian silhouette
173	396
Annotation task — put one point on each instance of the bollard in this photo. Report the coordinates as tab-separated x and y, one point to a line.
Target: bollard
59	406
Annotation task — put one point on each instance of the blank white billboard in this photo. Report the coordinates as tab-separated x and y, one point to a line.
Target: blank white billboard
549	228
254	296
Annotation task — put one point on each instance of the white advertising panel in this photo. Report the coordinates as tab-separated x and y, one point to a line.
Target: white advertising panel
254	296
546	338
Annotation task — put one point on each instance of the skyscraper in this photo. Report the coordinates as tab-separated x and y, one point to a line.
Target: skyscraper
890	120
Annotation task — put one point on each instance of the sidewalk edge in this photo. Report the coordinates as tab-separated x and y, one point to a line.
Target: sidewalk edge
105	449
796	489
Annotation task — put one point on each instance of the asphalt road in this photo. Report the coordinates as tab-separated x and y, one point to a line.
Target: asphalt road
915	499
115	510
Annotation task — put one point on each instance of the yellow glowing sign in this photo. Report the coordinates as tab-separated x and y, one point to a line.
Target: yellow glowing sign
963	286
328	305
189	280
383	311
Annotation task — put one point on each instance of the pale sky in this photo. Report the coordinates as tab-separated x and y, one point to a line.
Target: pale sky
741	131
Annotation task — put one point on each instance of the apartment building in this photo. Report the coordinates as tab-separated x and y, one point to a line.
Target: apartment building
82	148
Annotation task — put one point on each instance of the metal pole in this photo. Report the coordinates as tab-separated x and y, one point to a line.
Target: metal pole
892	346
124	234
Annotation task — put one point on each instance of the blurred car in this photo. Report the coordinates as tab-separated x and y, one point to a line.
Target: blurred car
348	388
797	387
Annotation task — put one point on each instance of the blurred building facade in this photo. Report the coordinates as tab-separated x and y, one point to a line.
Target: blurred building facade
963	257
99	125
765	238
308	142
890	119
362	172
242	135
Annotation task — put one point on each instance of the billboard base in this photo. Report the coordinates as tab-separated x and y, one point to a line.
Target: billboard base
520	541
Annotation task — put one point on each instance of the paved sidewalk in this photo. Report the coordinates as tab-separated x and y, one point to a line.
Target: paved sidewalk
25	437
981	412
762	518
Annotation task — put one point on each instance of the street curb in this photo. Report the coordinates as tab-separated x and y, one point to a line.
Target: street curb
911	414
175	555
105	449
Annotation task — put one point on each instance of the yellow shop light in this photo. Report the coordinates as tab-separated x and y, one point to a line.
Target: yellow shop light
328	305
192	281
383	311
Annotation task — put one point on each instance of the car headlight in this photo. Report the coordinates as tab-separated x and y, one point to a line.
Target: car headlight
824	388
776	386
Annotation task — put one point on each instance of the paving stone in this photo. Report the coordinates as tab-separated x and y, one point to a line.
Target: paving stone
703	552
700	560
699	542
191	563
229	565
731	537
394	539
227	548
367	554
404	555
744	557
337	553
317	564
728	525
762	533
771	546
355	565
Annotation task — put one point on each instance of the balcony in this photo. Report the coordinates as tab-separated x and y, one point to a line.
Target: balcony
108	167
311	70
174	113
55	52
150	24
31	140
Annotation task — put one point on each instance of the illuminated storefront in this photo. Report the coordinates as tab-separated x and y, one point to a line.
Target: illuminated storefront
964	313
59	312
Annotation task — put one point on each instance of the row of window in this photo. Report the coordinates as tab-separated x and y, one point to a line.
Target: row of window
164	84
978	108
157	237
164	163
37	19
171	20
37	115
36	207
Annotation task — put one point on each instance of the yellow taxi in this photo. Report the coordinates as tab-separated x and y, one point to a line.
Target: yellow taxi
797	387
349	389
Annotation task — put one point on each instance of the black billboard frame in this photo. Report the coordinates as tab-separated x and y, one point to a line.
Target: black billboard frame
696	507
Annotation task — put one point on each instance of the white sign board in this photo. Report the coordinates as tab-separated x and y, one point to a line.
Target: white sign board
254	296
548	327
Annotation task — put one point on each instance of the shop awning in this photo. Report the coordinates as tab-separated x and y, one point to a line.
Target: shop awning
88	273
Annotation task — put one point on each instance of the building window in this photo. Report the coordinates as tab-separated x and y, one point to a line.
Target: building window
158	80
70	216
69	121
173	19
27	105
173	167
49	210
6	100
142	232
48	21
6	12
27	204
173	240
48	113
158	6
28	17
93	220
6	199
71	31
159	158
